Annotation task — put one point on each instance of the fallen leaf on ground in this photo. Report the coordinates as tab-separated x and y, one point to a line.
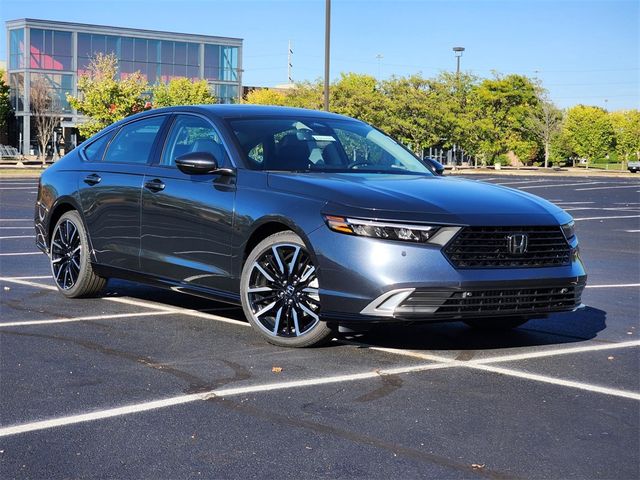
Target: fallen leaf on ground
276	369
477	465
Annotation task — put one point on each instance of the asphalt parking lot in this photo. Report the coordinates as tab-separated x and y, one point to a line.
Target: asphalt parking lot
144	383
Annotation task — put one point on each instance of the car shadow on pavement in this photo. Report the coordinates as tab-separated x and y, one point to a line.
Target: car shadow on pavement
171	298
561	328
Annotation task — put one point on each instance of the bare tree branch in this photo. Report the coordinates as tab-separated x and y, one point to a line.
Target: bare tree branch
46	110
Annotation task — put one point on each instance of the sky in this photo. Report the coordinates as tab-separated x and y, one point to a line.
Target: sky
582	51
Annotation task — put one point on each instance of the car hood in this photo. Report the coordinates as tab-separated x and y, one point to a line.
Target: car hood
420	198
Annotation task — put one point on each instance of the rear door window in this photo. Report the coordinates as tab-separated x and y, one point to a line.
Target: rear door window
134	142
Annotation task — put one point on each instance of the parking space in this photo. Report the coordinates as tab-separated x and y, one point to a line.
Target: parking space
153	384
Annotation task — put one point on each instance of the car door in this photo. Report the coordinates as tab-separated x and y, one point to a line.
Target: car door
110	190
187	219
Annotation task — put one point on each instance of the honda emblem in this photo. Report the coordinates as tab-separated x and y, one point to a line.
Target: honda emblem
517	243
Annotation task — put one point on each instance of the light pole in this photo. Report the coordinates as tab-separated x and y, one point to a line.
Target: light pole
327	36
457	51
379	57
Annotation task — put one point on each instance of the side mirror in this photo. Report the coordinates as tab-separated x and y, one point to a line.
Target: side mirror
198	163
436	166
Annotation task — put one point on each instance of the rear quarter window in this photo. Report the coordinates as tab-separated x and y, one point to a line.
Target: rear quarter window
95	150
134	141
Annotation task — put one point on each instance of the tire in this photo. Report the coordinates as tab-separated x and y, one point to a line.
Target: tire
69	258
279	292
506	323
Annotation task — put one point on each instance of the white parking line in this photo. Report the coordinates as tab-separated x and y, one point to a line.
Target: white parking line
224	392
521	182
570	203
632	231
614	209
16	219
558	381
18	188
441	362
503	358
82	319
561	185
621	285
604	188
606	218
20	253
138	303
24	227
17	236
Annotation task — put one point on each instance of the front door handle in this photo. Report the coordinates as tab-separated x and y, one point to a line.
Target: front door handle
92	179
155	185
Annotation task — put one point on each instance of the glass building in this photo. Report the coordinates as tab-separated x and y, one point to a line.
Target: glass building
59	52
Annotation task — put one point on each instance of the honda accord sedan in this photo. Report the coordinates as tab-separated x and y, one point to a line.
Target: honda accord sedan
311	221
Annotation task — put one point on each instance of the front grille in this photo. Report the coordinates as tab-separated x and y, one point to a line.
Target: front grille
511	301
487	247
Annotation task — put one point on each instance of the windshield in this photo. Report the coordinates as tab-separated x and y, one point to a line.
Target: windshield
319	145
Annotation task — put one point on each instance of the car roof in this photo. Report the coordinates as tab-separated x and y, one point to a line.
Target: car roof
231	111
246	110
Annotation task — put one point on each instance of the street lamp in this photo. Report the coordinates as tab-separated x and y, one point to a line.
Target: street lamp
457	51
327	37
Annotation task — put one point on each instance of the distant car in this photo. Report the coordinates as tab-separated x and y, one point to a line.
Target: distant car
633	167
309	220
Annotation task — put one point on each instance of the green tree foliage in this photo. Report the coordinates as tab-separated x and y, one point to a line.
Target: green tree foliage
589	132
544	124
266	96
626	126
182	91
359	96
499	109
6	111
411	113
105	98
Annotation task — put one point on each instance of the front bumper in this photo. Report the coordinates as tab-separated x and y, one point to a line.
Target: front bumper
360	276
483	300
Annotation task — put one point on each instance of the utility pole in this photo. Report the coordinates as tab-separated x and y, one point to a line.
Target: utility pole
457	51
379	57
289	64
327	45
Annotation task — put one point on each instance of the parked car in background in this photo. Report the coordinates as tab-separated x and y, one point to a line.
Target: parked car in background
309	220
633	167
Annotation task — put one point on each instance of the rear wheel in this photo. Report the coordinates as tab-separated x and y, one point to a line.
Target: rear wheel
70	263
505	323
280	293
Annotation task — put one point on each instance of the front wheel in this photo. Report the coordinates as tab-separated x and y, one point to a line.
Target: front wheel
505	323
70	262
280	293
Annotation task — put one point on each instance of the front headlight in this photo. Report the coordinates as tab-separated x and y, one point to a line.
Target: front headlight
385	230
569	230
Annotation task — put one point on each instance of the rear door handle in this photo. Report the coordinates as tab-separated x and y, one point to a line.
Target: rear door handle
92	179
155	185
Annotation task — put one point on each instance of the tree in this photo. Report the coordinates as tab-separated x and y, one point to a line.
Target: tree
182	91
46	111
544	123
6	110
359	96
589	132
266	96
498	109
626	126
105	98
